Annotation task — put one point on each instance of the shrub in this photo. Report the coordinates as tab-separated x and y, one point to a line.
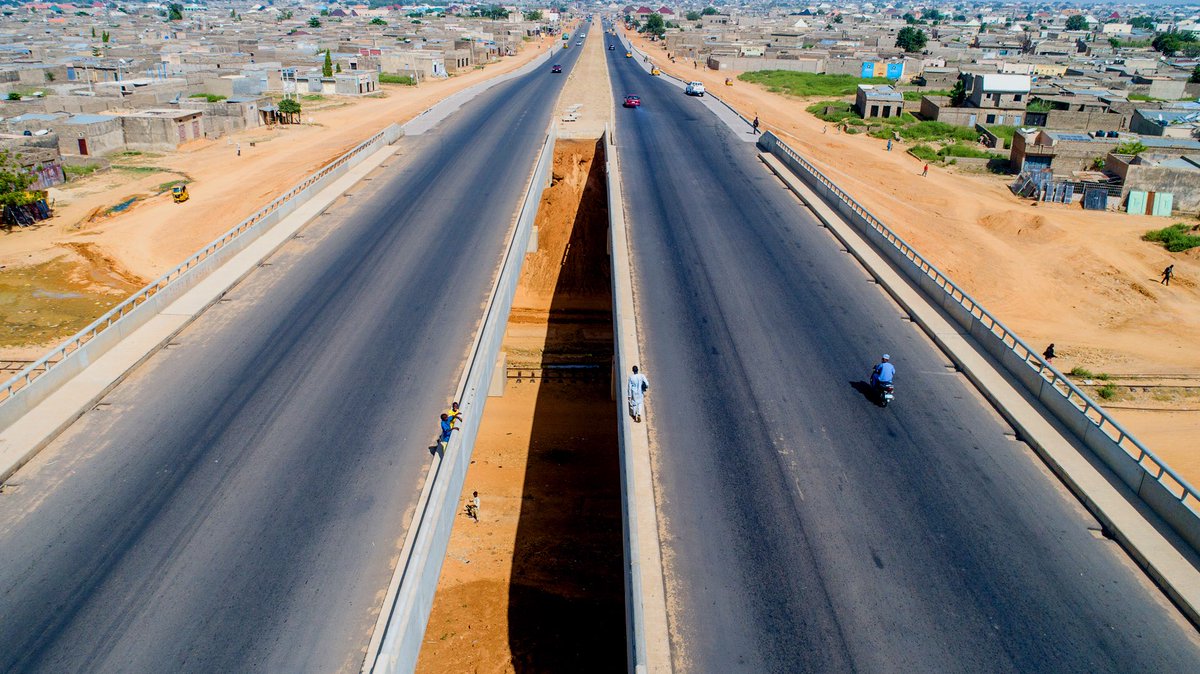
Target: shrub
1083	373
959	150
840	110
934	131
917	95
1175	238
80	171
211	98
1005	132
1107	392
924	152
388	78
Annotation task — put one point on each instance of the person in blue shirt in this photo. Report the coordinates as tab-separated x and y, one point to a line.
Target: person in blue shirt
884	372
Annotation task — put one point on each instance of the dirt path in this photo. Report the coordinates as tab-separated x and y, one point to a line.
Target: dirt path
1054	273
151	234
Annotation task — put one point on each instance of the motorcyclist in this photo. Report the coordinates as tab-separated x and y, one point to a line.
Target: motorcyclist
883	373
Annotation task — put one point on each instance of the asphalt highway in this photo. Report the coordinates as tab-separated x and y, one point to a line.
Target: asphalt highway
806	528
239	502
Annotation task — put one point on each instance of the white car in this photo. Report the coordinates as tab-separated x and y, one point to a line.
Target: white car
694	89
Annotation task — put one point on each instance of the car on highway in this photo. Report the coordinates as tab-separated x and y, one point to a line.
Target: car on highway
628	54
694	89
632	101
611	47
556	68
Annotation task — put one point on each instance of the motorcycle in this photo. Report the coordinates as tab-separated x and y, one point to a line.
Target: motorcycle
884	390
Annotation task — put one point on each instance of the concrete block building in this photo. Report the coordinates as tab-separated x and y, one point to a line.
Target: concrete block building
878	101
161	130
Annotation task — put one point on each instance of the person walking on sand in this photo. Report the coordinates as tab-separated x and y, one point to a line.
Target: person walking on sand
473	507
239	149
1049	354
638	385
889	144
756	124
1166	275
824	128
925	171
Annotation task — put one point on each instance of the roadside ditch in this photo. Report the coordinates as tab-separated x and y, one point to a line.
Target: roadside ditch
537	584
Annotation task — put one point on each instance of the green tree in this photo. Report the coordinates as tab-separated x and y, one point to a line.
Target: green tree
1195	78
1131	147
837	19
1173	41
958	95
1142	22
1077	22
314	22
233	13
290	108
174	12
49	76
284	15
535	15
378	22
337	68
708	11
14	96
655	25
324	12
14	180
692	16
104	37
911	39
327	68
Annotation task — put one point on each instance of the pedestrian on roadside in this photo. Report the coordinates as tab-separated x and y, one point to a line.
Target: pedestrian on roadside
1049	354
473	507
755	123
447	428
239	149
889	144
925	171
638	385
1166	275
455	415
824	128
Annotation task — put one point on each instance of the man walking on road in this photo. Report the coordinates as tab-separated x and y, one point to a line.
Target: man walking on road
638	385
925	171
473	507
756	124
1166	275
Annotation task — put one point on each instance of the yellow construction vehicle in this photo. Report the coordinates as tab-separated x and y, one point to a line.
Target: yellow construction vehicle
628	54
179	193
655	71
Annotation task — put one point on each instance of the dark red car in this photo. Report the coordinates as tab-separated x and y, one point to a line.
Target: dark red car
556	68
633	102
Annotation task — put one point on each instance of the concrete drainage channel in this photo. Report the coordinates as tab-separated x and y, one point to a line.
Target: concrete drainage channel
563	568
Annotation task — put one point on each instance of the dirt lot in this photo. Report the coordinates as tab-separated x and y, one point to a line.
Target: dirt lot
1054	273
537	584
147	234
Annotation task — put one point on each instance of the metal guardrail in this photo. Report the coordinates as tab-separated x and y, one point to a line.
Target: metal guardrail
1045	375
421	562
20	381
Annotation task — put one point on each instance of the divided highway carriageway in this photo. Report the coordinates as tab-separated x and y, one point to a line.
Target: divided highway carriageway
237	504
807	529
